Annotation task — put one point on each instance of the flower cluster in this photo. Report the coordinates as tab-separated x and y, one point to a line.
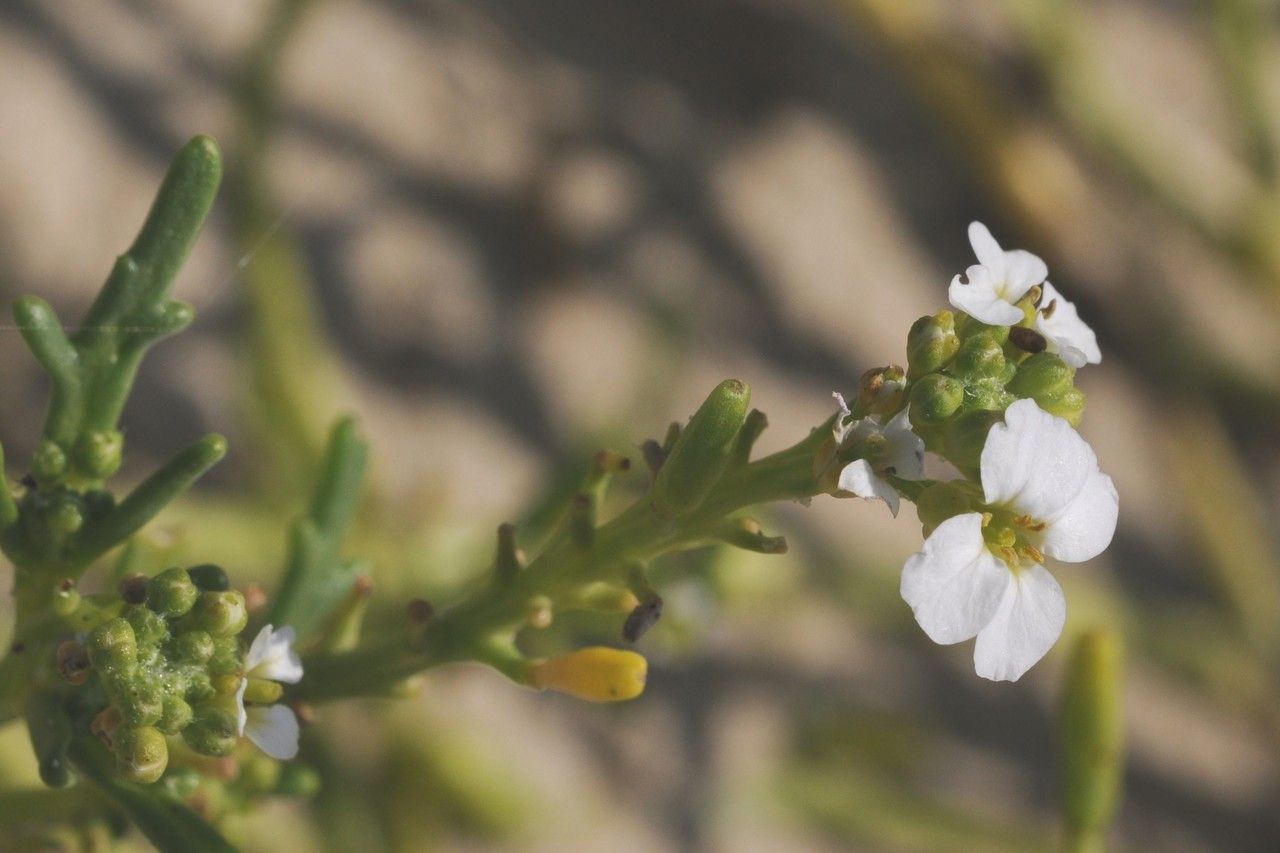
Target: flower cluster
992	392
164	658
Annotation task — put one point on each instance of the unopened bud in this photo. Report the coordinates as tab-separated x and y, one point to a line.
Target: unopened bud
298	780
596	674
66	516
934	399
172	593
980	357
880	389
98	453
112	646
176	716
148	627
1067	404
702	452
142	752
194	647
1042	374
49	462
222	614
931	344
142	703
214	731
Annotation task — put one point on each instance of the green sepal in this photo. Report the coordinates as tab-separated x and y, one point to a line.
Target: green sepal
702	452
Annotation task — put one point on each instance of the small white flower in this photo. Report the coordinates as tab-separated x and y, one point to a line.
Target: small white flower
1064	331
1046	495
274	728
902	456
988	290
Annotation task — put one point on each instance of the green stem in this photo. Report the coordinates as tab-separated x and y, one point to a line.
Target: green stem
462	633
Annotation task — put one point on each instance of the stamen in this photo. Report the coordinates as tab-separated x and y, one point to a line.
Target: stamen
1029	523
1049	309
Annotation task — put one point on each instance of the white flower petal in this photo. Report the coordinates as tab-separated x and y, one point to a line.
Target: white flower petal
954	584
858	478
1035	462
274	728
1064	331
272	656
989	253
1023	271
975	293
1025	626
1083	528
241	714
906	454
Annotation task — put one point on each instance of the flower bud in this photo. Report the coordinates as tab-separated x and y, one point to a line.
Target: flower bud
209	578
1041	374
142	703
880	389
298	780
142	752
965	437
214	731
226	659
148	628
98	453
222	614
701	453
182	782
1067	404
259	773
941	501
931	344
49	462
934	399
66	516
112	646
175	716
194	647
979	357
171	593
226	684
596	674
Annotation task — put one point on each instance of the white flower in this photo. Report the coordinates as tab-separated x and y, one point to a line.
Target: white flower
901	455
274	728
981	574
1064	331
988	290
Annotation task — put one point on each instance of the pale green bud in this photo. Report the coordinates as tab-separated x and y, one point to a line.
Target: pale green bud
214	731
298	780
934	399
112	646
141	701
171	593
880	389
1041	374
222	614
194	647
98	453
148	628
701	453
49	462
931	344
175	716
142	752
979	357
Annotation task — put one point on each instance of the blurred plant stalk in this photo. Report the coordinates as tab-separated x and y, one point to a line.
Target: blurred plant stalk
1092	724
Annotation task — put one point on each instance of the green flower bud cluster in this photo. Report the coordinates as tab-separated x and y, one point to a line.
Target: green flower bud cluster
963	375
169	664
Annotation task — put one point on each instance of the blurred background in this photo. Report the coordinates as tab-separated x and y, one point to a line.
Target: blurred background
507	234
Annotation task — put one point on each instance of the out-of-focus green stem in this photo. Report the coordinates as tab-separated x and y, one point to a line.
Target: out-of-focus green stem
462	632
1092	741
1243	33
